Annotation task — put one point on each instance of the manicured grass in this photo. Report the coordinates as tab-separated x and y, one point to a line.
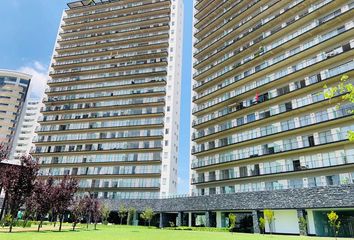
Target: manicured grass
141	233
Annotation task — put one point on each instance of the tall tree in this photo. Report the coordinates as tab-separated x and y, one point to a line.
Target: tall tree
42	198
77	211
122	213
3	156
147	215
63	195
87	204
18	182
96	212
105	211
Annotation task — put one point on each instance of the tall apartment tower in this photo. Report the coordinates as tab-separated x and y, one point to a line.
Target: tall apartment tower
13	92
111	117
23	144
260	120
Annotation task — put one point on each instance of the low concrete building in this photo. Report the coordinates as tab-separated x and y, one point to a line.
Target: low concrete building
288	205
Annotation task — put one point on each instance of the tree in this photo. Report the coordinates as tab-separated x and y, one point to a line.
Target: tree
96	212
122	213
232	222
269	216
147	215
63	195
105	213
3	156
87	204
131	213
347	91
262	224
41	199
77	212
18	182
334	222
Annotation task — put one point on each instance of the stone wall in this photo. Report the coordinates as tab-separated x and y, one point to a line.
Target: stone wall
306	198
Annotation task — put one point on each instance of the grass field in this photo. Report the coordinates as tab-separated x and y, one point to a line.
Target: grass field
138	233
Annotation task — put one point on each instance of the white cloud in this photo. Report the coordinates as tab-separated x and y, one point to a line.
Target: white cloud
39	78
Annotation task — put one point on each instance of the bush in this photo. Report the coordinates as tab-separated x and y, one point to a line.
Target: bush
22	223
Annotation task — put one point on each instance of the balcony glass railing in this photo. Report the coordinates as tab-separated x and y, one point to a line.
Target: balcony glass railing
109	57
111	40
273	148
325	74
100	125
278	168
273	129
274	76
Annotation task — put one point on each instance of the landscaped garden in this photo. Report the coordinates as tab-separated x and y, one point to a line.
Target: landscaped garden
114	232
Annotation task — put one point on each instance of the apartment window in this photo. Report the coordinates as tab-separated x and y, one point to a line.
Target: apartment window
305	120
240	121
322	116
243	171
212	191
325	137
251	117
212	176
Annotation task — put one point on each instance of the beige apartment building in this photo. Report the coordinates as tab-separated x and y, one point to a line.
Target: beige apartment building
112	114
13	91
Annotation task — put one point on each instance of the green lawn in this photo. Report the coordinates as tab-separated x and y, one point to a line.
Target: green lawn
140	233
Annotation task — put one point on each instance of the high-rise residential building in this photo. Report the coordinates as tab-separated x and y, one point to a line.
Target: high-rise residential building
28	123
260	118
111	118
13	91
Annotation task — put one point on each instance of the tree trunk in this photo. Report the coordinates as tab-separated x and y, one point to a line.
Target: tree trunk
95	225
60	221
11	224
40	224
121	221
3	206
74	225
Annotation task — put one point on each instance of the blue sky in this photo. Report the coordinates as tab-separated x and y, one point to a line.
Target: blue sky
28	32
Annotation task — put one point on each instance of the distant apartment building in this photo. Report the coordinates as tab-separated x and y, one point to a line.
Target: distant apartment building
23	145
13	91
111	118
259	117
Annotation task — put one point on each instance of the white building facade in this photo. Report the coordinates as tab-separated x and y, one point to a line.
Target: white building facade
111	117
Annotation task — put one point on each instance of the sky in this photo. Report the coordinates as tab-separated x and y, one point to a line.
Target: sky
28	34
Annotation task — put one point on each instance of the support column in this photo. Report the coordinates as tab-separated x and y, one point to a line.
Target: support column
179	221
218	220
301	213
255	220
190	219
135	219
161	220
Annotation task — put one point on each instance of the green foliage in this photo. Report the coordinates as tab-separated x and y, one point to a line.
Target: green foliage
345	88
232	220
269	216
334	222
261	224
131	213
303	225
122	213
105	211
172	224
147	215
